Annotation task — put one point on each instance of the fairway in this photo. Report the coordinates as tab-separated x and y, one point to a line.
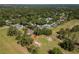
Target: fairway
8	44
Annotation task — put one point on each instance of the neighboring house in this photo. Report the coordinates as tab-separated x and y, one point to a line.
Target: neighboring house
18	26
62	14
62	18
46	26
19	15
29	32
49	18
54	24
39	26
8	22
39	18
13	19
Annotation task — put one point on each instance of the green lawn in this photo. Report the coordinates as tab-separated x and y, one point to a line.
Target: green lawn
8	44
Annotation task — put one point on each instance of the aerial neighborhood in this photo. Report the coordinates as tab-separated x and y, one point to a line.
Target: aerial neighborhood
39	30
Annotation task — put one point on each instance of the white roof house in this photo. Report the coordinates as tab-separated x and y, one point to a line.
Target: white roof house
49	18
54	24
46	26
18	26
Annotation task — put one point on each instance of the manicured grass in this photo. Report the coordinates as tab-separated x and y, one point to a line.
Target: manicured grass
8	44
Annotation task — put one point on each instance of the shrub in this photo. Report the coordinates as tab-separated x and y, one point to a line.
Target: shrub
12	31
25	40
43	31
55	51
75	28
33	49
2	22
67	44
